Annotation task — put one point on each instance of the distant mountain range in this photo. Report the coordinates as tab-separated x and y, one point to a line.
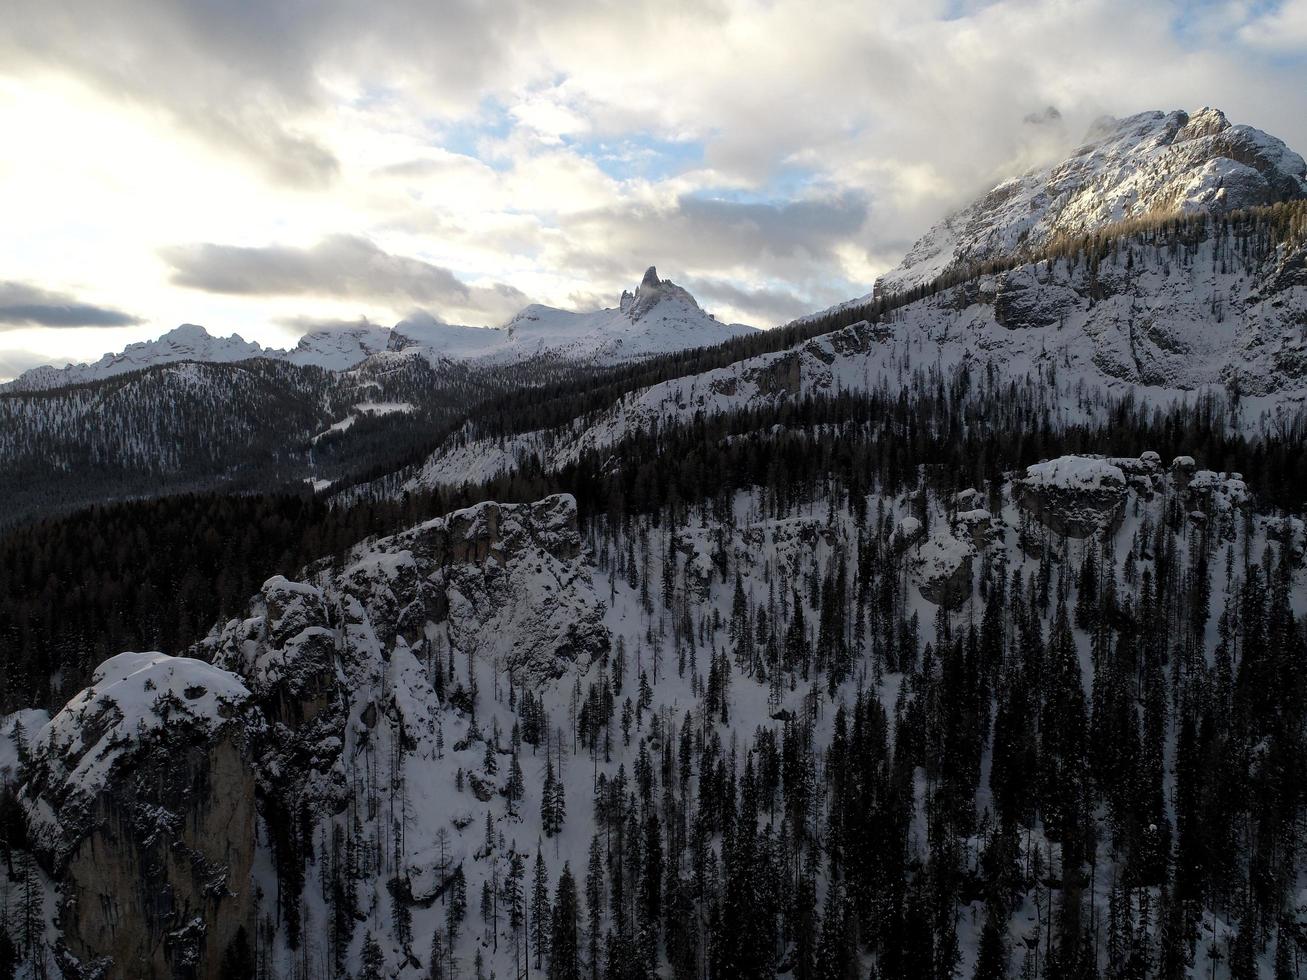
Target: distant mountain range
659	317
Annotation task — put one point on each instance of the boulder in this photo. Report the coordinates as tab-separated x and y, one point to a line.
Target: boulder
1077	496
942	567
141	797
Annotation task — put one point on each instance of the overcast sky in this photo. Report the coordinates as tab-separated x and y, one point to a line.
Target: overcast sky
260	166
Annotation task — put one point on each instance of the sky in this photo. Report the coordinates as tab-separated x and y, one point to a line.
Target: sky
267	167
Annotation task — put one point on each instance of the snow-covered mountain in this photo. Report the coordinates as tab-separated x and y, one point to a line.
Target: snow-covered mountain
337	349
1145	165
188	342
1166	315
395	764
660	317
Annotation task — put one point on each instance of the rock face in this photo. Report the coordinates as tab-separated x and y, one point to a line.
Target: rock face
141	798
1077	496
942	568
144	792
1151	163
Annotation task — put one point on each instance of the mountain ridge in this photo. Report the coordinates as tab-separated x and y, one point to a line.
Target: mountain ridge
659	317
1149	163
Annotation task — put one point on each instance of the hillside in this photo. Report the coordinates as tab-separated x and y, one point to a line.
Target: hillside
448	731
1162	313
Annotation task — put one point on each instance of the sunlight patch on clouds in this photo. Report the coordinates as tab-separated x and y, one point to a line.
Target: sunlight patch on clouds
554	152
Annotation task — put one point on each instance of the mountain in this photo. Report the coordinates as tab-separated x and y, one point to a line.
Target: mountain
659	318
408	753
336	349
253	424
957	631
1143	166
189	342
1173	312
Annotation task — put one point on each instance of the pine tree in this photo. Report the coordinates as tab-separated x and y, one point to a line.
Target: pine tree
540	912
564	948
374	961
516	787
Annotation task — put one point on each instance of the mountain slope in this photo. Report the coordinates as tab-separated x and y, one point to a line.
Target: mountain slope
486	701
1145	165
1165	312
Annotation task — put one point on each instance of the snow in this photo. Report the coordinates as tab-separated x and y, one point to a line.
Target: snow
130	696
385	408
942	554
1146	163
1075	473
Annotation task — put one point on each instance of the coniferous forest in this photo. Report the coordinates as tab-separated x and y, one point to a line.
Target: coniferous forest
959	631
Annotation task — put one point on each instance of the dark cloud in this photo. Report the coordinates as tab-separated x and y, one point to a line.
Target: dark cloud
342	266
780	239
311	324
25	305
763	307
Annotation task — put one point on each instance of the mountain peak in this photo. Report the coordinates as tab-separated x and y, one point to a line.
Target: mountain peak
1150	163
653	291
189	332
1205	122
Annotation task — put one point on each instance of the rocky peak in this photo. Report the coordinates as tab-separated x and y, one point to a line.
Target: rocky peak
1144	165
651	292
1205	122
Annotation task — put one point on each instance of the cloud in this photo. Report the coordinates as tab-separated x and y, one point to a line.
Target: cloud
310	324
762	307
15	362
24	305
564	147
340	266
781	239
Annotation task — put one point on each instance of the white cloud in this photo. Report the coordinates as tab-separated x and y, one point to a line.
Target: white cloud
776	156
1282	29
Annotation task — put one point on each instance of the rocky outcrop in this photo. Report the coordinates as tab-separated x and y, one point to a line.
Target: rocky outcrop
1148	164
1216	493
942	569
1022	301
141	798
1076	496
145	791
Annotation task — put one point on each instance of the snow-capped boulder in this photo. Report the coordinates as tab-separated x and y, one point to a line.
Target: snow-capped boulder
941	567
907	532
141	799
1074	495
1214	493
975	525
